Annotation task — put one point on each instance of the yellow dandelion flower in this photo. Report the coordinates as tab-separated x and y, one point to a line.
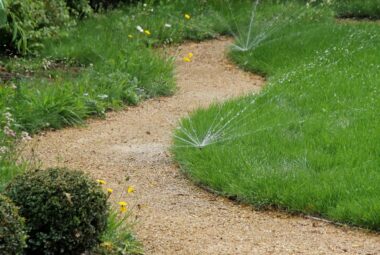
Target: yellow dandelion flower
187	16
147	32
109	191
131	189
130	36
123	206
186	59
101	182
190	55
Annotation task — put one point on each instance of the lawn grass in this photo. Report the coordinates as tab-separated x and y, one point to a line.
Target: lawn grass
308	143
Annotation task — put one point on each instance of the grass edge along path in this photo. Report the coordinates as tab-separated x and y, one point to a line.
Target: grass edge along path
305	144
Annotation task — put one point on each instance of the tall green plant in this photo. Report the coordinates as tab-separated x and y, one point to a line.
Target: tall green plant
3	14
23	23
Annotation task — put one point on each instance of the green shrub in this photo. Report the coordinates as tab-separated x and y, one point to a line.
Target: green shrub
79	8
57	13
23	17
65	211
12	228
24	22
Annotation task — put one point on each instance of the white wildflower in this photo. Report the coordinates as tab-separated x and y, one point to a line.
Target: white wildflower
103	96
168	25
140	29
9	132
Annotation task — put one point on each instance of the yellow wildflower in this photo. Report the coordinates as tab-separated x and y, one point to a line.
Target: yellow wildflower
123	206
187	16
107	245
130	36
186	59
131	189
147	32
101	182
190	55
109	191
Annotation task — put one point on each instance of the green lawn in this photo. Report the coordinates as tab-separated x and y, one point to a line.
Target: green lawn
309	142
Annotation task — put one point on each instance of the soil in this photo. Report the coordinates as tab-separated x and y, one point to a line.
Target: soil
174	216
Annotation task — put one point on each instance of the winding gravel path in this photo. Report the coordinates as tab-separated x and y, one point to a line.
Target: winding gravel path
174	216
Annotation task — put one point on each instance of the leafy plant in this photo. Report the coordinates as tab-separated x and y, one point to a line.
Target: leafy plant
23	23
3	14
65	211
12	229
79	8
10	139
118	239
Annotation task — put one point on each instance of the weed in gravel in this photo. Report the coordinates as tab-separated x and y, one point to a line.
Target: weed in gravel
118	237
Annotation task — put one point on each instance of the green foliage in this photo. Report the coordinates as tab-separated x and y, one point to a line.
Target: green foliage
9	164
118	239
305	143
358	8
91	71
3	14
65	211
9	141
57	14
12	229
79	8
22	18
106	4
28	21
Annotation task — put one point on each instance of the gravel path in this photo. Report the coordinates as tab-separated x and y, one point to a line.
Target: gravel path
174	216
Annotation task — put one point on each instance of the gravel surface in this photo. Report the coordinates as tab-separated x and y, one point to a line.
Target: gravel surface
131	147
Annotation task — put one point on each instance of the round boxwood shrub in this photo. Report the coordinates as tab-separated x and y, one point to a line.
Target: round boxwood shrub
65	211
12	228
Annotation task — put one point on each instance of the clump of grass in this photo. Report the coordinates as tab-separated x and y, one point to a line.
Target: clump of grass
118	237
10	139
306	143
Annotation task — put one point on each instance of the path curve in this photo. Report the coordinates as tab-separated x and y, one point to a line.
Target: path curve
175	216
